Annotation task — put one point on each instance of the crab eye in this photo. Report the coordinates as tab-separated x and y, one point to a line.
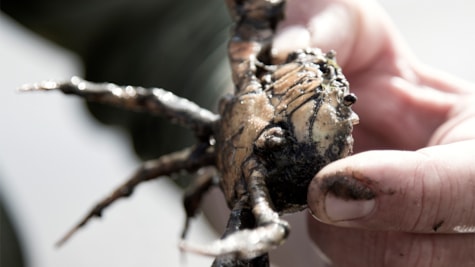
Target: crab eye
349	99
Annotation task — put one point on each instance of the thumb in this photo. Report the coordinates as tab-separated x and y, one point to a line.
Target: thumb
323	24
357	30
426	191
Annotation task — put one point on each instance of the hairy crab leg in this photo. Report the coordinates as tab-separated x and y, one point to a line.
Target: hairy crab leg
270	232
168	164
155	101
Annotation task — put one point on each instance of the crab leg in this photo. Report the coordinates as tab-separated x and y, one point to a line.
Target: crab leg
270	232
165	165
241	218
155	101
194	193
255	24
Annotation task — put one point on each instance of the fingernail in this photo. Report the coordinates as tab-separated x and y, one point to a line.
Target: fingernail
338	209
347	197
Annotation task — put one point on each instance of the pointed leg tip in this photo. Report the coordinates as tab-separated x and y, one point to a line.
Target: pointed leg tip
66	237
50	85
61	242
185	246
41	86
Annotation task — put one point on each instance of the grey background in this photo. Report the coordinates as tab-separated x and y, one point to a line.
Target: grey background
55	161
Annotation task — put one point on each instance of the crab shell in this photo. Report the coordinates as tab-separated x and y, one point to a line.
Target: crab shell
293	119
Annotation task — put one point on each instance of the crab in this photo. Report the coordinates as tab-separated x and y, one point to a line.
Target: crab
283	123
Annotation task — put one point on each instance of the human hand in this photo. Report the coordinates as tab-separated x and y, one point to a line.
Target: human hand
410	204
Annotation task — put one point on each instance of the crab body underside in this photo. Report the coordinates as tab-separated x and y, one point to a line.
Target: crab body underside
283	124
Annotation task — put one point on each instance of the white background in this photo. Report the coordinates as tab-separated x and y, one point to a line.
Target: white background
55	161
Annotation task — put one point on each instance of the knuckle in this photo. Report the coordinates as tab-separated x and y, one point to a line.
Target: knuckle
428	194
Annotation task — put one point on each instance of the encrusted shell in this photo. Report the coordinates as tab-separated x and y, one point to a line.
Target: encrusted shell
305	105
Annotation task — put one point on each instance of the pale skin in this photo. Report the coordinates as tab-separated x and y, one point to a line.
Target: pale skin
414	148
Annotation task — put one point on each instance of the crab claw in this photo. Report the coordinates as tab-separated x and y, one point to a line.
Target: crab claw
244	244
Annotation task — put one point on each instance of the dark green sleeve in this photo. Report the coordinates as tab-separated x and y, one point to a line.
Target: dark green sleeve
176	45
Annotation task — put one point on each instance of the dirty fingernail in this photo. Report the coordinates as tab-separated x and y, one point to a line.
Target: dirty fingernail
345	197
338	209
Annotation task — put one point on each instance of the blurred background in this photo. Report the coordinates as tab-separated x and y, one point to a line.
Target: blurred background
59	156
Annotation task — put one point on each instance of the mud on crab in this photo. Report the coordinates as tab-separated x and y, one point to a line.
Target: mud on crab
281	126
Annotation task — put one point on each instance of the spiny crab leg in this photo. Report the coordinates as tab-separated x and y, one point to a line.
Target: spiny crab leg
189	159
155	101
